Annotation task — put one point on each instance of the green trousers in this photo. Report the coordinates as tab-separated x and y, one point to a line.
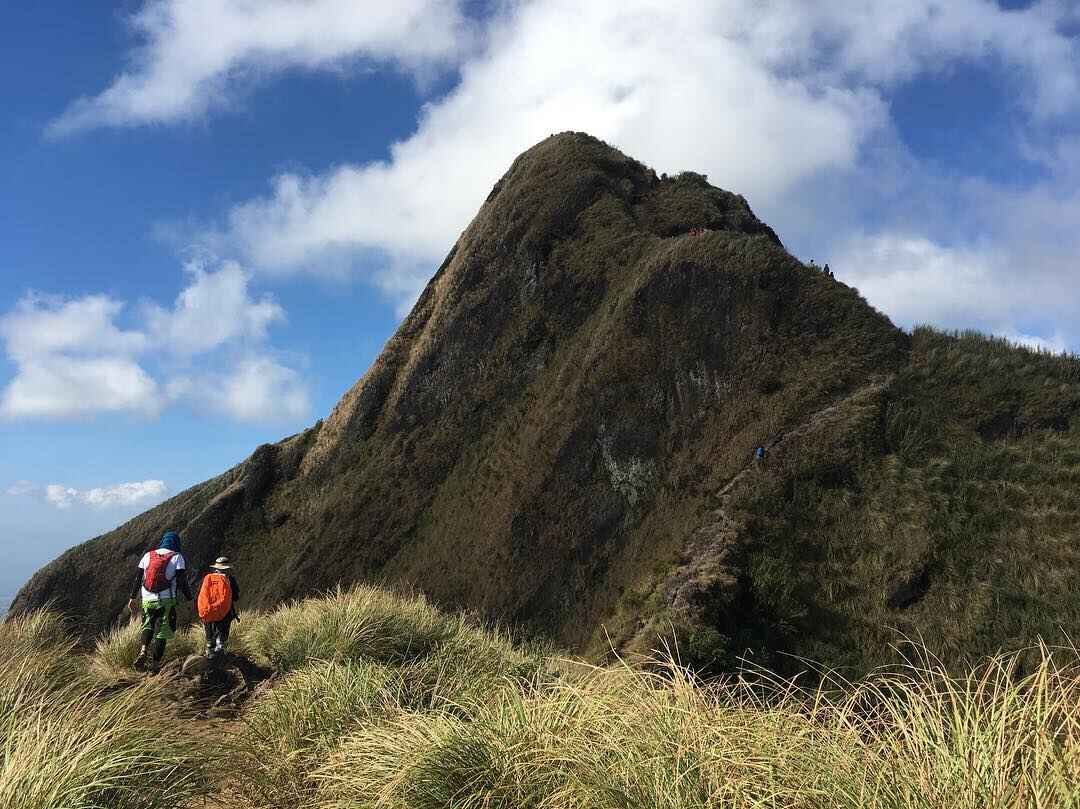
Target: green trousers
159	619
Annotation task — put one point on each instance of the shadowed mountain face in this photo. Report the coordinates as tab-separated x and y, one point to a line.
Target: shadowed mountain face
560	435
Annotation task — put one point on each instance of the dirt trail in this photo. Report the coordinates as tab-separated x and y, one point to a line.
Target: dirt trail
209	702
704	559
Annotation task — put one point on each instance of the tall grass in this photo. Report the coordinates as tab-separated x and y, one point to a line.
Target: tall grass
290	732
464	719
364	622
358	658
447	715
115	651
911	738
67	744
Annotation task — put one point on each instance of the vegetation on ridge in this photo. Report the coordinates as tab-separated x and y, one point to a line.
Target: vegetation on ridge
946	509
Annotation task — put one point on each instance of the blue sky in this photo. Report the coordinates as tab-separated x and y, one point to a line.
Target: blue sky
214	212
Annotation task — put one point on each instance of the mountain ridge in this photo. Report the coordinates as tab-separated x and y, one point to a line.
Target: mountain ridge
548	435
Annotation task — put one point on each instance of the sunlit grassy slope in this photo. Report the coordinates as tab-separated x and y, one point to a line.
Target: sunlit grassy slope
384	701
947	508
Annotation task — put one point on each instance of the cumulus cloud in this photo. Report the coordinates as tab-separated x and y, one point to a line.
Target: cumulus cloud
20	488
216	308
138	493
257	389
117	495
670	83
73	360
57	387
782	100
917	280
48	325
883	42
768	98
195	54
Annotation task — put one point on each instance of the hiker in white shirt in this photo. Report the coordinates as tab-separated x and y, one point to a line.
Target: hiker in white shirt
161	575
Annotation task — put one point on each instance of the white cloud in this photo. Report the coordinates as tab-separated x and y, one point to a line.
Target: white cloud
671	85
215	309
195	54
915	280
257	389
20	488
782	100
1053	345
765	97
138	493
73	360
42	325
118	495
58	387
883	42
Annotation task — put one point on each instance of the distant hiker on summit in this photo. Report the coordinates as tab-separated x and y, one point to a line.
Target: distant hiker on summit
218	594
161	573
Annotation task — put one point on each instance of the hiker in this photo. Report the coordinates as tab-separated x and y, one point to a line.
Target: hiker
161	574
218	594
828	272
759	454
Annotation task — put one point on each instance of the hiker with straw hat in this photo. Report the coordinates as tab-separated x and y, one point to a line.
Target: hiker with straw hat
216	602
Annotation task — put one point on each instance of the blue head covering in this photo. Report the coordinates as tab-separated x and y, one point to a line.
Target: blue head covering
171	541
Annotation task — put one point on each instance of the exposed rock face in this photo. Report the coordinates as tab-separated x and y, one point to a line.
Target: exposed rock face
560	433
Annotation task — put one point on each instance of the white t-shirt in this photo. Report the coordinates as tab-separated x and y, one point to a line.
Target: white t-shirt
176	564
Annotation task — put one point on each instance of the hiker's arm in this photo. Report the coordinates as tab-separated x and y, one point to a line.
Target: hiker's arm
185	585
137	585
235	588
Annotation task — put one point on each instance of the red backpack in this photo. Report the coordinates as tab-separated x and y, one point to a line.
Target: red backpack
215	598
156	576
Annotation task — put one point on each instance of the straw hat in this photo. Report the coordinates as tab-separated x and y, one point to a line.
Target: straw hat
221	563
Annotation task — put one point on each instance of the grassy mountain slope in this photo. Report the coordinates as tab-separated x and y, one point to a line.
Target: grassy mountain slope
559	435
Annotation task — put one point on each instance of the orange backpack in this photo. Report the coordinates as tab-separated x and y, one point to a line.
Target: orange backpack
215	598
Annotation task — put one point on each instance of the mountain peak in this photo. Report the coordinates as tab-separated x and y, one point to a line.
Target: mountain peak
561	435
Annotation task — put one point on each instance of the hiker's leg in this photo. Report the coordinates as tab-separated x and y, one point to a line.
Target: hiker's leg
223	628
166	626
208	630
151	619
151	616
221	633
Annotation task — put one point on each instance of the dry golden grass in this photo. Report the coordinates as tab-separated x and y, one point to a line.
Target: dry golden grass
464	719
66	743
358	732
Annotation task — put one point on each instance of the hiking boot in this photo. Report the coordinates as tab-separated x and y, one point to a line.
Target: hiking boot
141	660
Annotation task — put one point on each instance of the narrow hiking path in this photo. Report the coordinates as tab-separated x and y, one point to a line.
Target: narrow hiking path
215	735
209	704
703	562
